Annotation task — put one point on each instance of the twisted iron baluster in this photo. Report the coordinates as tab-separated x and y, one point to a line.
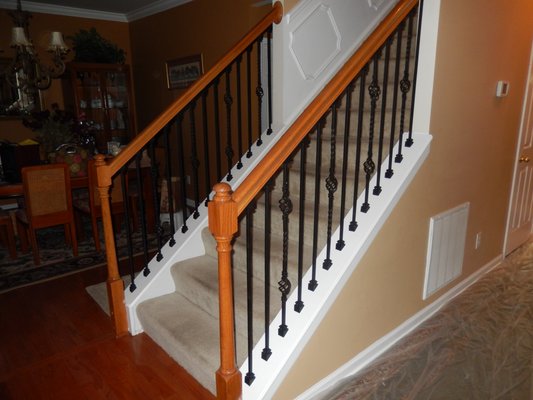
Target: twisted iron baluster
405	86
362	79
249	97
259	92
127	217
377	187
181	170
269	55
250	376
239	113
144	230
207	157
313	283
195	162
369	167
331	183
299	305
218	145
267	352
228	100
409	141
390	171
158	228
168	175
284	284
349	90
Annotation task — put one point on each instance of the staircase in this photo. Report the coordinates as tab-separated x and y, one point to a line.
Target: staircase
337	176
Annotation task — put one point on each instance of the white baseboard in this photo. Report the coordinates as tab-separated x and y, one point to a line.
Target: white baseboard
377	348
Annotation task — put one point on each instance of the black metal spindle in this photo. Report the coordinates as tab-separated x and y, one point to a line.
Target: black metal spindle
284	284
347	117
239	112
249	98
155	196
399	34
260	93
377	187
360	113
181	171
299	305
168	176
218	145
127	222
207	167
369	166
409	142
142	208
331	183
195	162
267	351
250	376
313	283
269	74
228	100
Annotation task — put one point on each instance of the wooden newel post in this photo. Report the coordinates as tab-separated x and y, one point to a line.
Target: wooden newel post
223	225
115	285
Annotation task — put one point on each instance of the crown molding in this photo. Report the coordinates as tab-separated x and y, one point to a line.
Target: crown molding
154	8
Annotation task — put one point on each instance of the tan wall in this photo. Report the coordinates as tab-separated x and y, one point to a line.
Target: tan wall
177	33
471	159
40	27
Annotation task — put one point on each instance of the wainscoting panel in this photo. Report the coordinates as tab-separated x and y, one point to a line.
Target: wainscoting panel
446	245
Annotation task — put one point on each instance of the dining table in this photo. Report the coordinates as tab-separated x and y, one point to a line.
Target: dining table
13	190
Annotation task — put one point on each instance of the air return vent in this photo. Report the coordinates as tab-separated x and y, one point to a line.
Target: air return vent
446	246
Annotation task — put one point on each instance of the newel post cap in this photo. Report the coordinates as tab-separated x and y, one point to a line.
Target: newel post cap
222	212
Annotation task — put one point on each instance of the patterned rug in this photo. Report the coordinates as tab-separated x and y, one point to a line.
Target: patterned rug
56	259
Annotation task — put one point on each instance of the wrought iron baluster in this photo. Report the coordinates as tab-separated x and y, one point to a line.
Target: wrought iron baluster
250	376
331	182
269	55
362	82
399	34
168	175
127	222
158	228
409	141
284	284
377	187
299	305
218	145
405	86
228	100
195	162
348	111
313	283
181	171
267	351
239	112
207	163
142	207
249	98
369	167
259	92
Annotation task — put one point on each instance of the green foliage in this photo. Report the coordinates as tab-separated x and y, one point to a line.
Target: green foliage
89	46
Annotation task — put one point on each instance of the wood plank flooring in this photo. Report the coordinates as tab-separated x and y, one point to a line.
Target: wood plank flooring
56	343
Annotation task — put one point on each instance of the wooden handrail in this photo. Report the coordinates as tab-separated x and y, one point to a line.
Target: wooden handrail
271	163
105	173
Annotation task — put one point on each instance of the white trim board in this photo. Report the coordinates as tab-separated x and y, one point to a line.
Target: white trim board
383	344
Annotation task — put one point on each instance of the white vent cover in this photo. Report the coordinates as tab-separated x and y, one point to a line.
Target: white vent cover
446	246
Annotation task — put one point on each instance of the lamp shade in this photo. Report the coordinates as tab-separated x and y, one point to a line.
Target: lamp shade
57	42
18	37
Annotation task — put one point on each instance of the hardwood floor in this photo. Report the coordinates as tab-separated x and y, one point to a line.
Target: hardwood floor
56	343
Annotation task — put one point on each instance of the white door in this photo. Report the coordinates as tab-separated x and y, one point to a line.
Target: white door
520	221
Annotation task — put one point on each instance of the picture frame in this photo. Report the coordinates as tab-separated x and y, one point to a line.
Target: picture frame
181	72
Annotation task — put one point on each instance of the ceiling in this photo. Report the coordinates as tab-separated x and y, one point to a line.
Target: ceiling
115	10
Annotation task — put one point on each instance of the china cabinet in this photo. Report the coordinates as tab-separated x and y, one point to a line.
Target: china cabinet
103	94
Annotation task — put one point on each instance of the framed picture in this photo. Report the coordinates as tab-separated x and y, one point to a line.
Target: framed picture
181	72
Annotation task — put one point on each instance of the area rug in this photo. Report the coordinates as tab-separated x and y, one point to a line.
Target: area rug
57	259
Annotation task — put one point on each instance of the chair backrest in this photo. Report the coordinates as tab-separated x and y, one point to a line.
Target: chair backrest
94	196
47	190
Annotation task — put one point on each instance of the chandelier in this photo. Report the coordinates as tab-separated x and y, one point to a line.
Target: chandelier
26	73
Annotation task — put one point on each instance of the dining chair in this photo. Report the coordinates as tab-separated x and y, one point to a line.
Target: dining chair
47	203
8	233
91	205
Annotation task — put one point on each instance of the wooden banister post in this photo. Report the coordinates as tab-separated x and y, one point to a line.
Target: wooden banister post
223	225
115	285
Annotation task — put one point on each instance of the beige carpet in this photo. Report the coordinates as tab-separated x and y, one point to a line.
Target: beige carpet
478	347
